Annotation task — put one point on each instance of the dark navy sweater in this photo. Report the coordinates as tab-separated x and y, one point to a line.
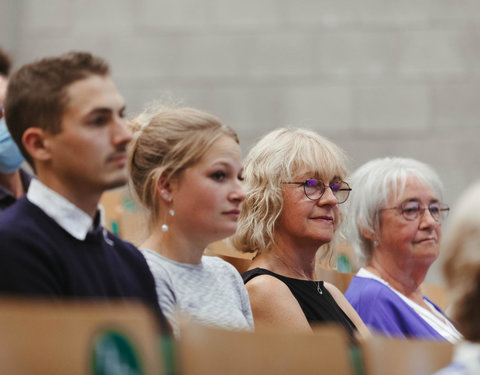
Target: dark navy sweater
39	258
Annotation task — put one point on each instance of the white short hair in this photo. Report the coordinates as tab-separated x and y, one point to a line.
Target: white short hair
373	184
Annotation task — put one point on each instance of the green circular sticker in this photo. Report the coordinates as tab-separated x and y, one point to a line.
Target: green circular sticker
113	353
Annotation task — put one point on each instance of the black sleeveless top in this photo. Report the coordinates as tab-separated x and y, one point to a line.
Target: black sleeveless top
316	307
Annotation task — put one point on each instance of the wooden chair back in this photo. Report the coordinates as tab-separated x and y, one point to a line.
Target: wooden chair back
203	350
241	261
438	294
40	337
340	279
384	355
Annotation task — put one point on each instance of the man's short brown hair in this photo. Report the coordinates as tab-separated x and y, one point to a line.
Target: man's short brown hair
37	92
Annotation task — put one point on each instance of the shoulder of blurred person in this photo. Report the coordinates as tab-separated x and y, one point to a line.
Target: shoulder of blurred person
7	198
13	181
461	269
465	361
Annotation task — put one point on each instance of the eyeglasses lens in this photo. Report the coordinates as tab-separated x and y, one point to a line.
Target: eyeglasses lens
314	189
412	210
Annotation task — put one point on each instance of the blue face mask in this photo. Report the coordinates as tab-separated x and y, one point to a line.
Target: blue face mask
10	156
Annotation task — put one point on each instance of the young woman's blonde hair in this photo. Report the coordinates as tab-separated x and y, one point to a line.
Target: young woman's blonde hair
280	156
166	141
461	247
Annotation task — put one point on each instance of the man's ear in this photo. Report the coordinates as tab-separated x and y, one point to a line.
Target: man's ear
36	144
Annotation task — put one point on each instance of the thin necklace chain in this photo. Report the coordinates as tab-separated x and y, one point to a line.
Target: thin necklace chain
317	283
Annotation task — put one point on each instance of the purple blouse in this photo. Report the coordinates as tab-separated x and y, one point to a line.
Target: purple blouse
385	312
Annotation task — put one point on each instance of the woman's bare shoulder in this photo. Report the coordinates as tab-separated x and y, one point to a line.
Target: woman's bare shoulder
274	305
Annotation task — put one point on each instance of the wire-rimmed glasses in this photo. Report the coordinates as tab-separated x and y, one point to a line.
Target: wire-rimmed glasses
412	210
314	189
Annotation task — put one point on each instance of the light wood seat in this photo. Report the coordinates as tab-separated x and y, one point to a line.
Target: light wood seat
241	261
340	279
40	337
437	293
204	350
390	356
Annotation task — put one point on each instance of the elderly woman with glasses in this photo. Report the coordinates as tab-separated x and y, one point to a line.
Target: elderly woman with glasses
293	180
394	225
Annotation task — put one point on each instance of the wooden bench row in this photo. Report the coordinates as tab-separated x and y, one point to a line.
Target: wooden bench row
39	337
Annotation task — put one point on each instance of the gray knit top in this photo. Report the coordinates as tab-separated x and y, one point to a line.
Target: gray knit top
211	292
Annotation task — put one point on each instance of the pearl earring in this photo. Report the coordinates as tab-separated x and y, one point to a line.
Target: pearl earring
375	243
164	194
165	226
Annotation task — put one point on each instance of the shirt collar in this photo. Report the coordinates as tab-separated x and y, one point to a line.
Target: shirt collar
362	272
71	218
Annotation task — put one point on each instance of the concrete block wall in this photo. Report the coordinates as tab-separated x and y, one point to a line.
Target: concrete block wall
379	77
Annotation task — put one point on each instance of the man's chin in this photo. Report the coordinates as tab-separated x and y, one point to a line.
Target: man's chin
116	182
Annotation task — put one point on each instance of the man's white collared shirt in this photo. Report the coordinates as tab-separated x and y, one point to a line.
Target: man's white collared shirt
71	218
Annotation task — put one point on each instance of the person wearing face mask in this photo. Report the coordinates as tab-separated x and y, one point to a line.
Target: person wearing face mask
14	181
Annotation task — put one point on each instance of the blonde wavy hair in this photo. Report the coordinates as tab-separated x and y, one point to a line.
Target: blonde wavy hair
280	156
166	141
461	267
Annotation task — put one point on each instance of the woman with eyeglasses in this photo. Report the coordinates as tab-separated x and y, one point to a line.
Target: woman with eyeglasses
294	184
394	225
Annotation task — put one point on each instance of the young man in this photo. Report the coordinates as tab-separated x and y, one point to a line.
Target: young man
14	181
67	118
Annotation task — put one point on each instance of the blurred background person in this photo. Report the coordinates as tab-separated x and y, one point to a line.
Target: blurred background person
185	167
394	223
461	246
14	181
294	183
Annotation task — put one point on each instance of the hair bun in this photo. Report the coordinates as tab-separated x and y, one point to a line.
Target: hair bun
139	123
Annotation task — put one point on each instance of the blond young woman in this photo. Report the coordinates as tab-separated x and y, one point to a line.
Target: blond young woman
185	167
